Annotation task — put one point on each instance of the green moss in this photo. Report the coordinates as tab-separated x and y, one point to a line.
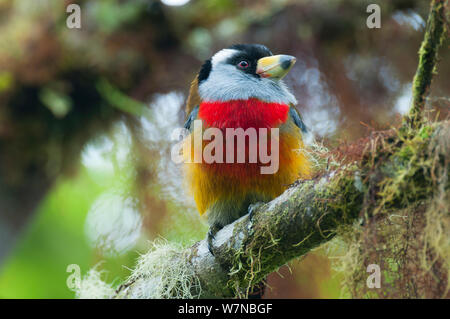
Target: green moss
408	235
433	39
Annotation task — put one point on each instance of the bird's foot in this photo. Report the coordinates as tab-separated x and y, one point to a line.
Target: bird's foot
252	209
213	229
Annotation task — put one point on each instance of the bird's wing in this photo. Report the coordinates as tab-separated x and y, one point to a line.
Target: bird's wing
192	116
193	99
297	118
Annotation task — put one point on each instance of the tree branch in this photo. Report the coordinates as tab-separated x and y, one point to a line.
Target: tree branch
303	217
428	55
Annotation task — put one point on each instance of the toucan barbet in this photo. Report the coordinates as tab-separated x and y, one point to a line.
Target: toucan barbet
242	87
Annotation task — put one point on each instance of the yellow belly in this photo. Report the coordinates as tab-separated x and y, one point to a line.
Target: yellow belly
209	183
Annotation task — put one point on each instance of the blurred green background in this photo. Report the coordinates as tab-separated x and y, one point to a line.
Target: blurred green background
86	117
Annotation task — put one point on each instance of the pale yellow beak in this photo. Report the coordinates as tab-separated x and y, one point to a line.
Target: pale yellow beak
275	66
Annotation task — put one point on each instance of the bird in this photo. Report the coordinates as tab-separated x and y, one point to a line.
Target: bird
241	87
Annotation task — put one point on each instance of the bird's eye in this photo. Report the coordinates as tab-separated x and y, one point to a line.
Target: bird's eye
243	64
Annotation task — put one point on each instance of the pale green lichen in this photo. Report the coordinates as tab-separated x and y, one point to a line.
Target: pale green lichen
164	272
93	287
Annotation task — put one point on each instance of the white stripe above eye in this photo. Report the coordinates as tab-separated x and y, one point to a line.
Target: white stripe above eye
222	56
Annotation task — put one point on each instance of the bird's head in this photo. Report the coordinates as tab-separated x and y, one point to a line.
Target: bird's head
245	71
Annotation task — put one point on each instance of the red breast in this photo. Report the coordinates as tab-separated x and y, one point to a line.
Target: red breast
243	113
251	113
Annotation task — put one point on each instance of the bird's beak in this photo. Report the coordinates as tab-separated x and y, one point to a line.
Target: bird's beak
275	66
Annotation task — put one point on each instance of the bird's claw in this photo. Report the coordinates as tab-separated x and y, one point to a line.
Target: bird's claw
210	242
213	229
252	208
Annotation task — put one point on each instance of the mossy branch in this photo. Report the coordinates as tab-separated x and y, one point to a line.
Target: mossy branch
428	57
303	217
